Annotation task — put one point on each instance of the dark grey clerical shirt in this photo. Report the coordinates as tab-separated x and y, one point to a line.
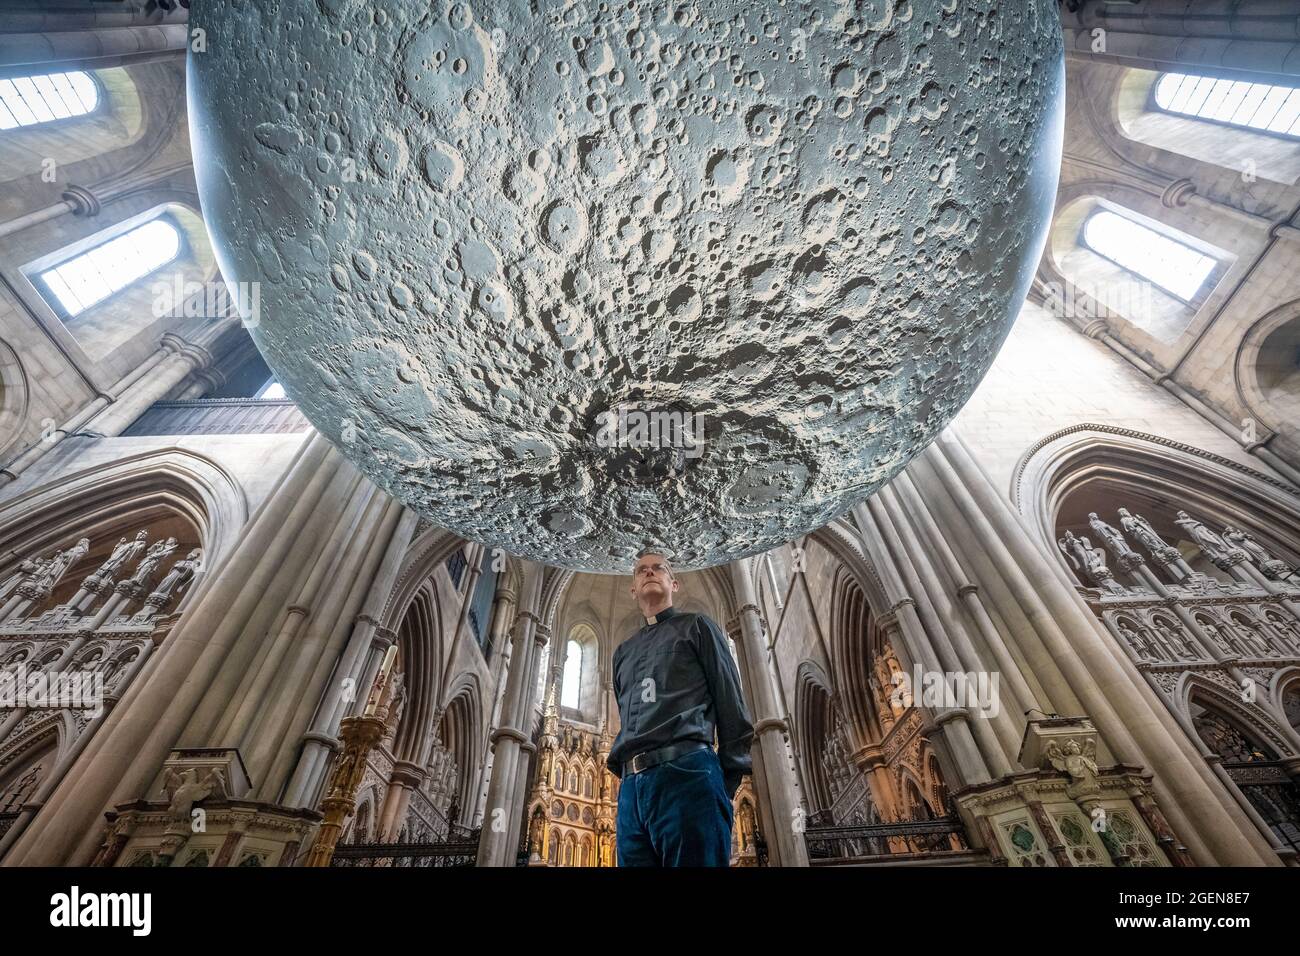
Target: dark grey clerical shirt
675	680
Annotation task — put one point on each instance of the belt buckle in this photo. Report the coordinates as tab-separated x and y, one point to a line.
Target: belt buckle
640	762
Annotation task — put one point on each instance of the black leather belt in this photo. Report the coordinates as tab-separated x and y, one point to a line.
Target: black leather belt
652	758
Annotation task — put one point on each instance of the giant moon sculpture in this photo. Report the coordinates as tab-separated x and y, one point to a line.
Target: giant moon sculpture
571	278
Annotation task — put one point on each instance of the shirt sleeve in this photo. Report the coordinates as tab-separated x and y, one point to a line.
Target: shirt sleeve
614	767
734	725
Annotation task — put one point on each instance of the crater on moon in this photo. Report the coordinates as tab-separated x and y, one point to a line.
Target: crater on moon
783	242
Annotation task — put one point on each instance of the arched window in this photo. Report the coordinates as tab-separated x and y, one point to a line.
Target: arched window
271	389
30	100
93	276
572	674
1174	266
1273	109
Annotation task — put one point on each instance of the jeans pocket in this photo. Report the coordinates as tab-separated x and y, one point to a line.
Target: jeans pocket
693	762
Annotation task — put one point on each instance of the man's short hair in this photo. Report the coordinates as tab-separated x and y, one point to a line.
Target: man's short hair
663	553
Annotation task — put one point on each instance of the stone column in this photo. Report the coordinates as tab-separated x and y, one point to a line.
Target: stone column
998	736
1255	40
406	778
494	847
473	570
519	785
879	538
173	369
77	200
37	450
351	686
1022	697
53	51
785	844
197	384
502	610
269	736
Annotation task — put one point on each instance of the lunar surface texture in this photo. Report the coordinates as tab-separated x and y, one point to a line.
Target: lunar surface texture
575	278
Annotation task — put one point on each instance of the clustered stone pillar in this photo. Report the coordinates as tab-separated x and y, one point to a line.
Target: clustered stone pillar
1248	40
180	360
502	614
1030	618
355	674
506	790
96	47
778	792
248	660
109	414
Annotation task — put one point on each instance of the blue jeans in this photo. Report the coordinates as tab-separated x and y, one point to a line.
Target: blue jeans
675	814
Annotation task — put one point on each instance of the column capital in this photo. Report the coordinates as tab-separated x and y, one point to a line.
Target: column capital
197	355
507	733
1177	193
947	716
1096	329
407	774
84	202
211	378
869	758
325	740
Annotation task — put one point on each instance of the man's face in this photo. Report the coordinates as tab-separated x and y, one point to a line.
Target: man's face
652	579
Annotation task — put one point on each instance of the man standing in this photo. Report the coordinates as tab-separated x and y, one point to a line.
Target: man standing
675	682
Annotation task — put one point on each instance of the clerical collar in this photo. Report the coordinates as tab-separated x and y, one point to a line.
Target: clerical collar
663	615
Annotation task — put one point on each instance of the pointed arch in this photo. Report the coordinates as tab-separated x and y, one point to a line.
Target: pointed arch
462	735
171	479
814	721
1141	466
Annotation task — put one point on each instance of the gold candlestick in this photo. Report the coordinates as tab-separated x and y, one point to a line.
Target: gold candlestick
380	688
358	735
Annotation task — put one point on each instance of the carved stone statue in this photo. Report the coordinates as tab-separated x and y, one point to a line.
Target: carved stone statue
1080	762
397	704
1178	644
123	552
184	789
1267	564
153	557
28	569
1089	561
1214	547
1127	558
1218	636
180	575
45	580
1141	529
1136	640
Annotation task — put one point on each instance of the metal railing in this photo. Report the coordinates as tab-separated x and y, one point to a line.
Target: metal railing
220	416
879	840
460	849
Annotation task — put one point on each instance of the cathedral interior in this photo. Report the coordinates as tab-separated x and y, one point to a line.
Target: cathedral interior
1065	634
